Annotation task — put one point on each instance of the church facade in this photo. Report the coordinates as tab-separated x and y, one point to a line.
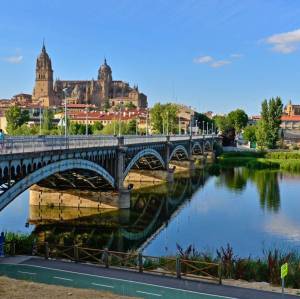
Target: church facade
103	92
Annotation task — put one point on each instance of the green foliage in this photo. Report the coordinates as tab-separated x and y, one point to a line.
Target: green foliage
47	121
126	128
261	135
15	118
130	105
238	119
271	119
164	118
250	133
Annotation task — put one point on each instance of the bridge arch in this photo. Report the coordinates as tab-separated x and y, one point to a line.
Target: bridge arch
179	148
207	146
48	170
139	155
196	146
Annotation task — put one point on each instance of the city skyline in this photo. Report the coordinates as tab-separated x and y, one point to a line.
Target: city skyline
211	55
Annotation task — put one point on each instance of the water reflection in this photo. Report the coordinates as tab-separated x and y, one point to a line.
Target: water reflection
121	230
266	182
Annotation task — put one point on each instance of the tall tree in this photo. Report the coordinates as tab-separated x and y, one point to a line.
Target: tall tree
271	119
15	118
47	123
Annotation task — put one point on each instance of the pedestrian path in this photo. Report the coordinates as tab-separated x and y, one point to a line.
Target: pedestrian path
89	281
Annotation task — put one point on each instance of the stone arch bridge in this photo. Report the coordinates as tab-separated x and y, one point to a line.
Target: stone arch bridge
97	162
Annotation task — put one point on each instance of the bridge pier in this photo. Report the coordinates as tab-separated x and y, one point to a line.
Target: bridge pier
124	198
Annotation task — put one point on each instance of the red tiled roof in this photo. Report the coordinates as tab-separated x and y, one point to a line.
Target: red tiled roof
290	118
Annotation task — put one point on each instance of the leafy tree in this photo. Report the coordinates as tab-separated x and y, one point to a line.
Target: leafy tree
164	118
130	105
199	118
97	127
225	127
271	118
239	119
131	127
249	133
15	118
47	122
261	135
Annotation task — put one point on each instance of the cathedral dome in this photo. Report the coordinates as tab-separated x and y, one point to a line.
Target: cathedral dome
105	67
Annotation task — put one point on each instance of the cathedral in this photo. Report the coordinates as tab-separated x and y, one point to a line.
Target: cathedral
103	92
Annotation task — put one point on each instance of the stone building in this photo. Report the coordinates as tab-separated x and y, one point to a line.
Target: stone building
102	92
291	109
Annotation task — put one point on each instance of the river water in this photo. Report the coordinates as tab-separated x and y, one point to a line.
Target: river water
250	210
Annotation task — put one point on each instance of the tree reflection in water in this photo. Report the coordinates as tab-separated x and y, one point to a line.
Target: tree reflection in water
266	182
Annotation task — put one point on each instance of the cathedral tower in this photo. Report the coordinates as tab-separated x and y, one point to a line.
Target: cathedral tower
43	89
105	78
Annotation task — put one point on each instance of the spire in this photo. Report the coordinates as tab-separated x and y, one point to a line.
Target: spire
105	63
43	48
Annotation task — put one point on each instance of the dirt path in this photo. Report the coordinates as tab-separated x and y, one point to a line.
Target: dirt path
19	289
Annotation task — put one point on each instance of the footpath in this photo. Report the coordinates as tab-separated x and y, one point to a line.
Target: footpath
122	282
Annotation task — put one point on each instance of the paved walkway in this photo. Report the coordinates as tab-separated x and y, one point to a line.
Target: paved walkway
122	282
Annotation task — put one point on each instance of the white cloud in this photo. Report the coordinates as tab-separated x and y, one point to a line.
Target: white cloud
14	59
212	62
284	42
236	55
220	63
203	59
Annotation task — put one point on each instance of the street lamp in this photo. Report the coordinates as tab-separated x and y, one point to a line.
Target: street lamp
86	120
203	127
65	90
207	128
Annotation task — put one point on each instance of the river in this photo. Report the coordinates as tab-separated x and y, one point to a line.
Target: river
250	210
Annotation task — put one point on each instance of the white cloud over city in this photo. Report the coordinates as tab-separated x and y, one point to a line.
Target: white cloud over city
216	63
284	43
15	59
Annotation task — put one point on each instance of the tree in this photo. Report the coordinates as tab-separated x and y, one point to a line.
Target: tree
225	127
47	123
15	118
130	105
131	127
261	135
164	118
249	133
239	119
271	118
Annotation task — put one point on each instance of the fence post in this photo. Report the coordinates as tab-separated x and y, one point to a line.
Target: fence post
76	253
46	250
13	248
140	262
105	257
220	272
178	267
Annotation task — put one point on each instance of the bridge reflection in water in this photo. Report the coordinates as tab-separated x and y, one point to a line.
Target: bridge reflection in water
115	229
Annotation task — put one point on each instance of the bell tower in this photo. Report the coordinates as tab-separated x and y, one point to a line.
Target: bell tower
43	90
105	78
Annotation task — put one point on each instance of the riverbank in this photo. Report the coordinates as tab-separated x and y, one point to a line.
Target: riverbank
289	161
19	289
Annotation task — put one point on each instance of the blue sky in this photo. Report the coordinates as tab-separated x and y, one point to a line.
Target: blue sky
212	55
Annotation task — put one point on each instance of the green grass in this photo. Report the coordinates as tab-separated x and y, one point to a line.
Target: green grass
289	161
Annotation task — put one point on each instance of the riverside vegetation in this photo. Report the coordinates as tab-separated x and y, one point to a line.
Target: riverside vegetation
263	269
289	161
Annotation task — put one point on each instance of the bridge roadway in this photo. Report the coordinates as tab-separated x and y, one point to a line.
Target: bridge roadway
92	162
123	282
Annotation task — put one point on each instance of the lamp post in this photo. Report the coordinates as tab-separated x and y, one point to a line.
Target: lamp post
65	90
179	125
146	122
203	127
86	121
207	128
40	114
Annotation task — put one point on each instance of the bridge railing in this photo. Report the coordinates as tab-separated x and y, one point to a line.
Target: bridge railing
12	145
133	139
